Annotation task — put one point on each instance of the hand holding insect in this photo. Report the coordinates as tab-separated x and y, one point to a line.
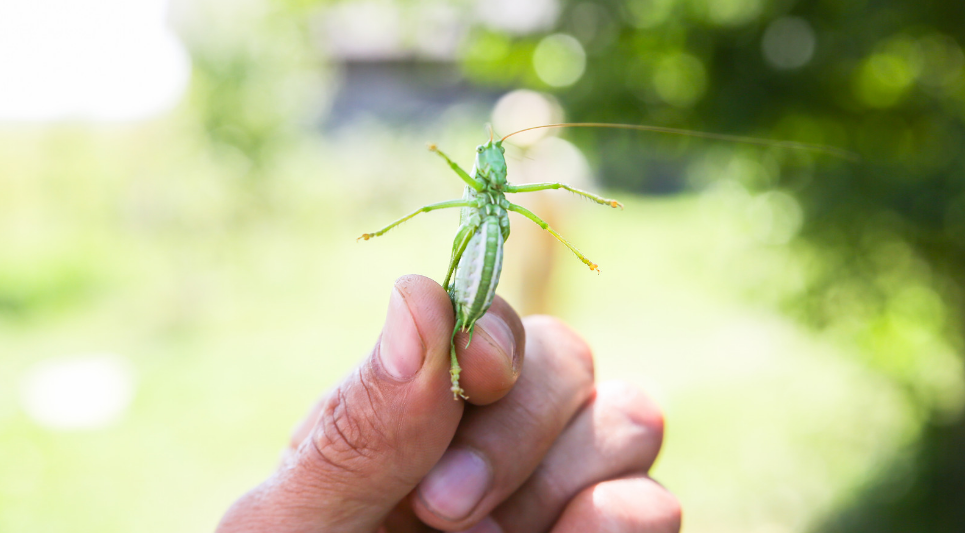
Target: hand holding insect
477	252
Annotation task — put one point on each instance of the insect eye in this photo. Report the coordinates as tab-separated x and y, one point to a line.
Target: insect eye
479	148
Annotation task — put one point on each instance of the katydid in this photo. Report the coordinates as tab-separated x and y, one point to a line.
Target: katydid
477	252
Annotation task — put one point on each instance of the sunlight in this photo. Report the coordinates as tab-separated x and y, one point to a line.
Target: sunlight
90	60
78	392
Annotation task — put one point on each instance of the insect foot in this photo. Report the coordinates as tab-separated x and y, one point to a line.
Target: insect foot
614	204
457	391
365	236
432	147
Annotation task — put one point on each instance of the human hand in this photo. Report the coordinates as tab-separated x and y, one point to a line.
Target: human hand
389	451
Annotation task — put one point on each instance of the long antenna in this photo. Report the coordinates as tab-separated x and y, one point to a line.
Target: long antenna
830	150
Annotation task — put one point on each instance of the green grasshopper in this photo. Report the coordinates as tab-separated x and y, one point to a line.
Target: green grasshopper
477	252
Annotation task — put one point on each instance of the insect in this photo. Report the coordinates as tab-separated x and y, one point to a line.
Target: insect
477	251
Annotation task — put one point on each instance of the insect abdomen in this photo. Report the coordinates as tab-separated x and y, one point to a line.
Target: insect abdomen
478	273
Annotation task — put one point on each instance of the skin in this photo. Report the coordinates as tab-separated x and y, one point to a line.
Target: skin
539	448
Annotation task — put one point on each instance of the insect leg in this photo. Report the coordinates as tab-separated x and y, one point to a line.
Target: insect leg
458	247
529	214
530	187
454	368
423	209
476	184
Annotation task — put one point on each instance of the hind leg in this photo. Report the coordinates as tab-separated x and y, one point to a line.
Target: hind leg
454	368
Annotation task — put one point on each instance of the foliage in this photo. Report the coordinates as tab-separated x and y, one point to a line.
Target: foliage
885	79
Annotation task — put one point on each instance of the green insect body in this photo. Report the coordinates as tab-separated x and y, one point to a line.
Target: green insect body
477	274
477	251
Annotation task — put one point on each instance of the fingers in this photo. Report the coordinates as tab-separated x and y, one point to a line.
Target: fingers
496	448
619	432
630	505
381	430
491	362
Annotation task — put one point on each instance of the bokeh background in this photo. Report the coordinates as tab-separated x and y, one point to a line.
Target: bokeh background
182	183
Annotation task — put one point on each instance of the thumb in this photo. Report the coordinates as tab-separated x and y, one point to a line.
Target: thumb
377	433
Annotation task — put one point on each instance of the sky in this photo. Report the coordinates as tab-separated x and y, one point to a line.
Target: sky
88	60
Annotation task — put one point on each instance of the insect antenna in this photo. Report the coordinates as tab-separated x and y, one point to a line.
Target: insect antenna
830	150
517	154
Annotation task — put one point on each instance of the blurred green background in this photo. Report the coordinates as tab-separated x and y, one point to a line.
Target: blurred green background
181	185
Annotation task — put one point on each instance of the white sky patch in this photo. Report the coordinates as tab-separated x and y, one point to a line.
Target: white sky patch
519	17
78	392
93	60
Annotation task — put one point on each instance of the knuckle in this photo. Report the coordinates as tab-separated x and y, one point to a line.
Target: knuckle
633	422
296	438
675	513
304	428
632	405
549	488
565	342
666	511
635	503
349	430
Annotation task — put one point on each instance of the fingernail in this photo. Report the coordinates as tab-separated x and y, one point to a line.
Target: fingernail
501	334
401	347
486	525
456	484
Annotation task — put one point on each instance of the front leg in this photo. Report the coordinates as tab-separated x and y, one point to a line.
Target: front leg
530	215
424	209
475	183
531	187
